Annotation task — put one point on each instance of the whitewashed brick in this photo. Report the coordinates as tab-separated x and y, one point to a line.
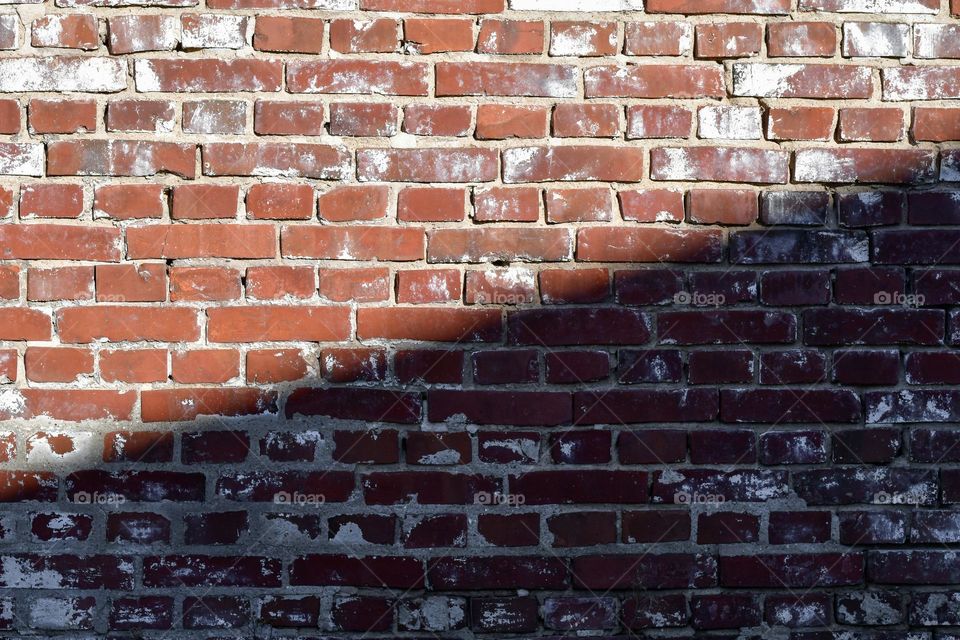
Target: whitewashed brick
876	40
9	31
729	122
921	83
63	73
135	33
578	40
871	6
21	159
576	5
936	40
214	31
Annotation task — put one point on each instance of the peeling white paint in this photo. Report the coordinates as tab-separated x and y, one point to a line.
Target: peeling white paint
576	5
727	122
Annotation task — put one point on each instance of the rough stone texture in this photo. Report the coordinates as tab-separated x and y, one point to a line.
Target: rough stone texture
479	318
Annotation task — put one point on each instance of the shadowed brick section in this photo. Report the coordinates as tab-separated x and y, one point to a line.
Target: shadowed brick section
624	571
480	319
792	570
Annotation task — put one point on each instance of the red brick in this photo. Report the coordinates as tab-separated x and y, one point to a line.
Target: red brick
658	121
435	6
363	119
207	75
438	35
127	323
936	41
364	36
204	283
569	163
62	116
275	365
728	40
46	200
801	39
288	35
576	38
505	79
215	116
9	282
9	116
60	283
120	158
818	81
718	6
200	201
204	365
720	164
652	205
77	31
352	243
288	118
566	286
73	405
586	121
353	365
579	205
654	81
134	365
275	283
129	201
800	123
131	282
506	286
140	115
500	204
360	285
279	201
431	204
936	125
201	241
492	243
59	242
437	120
657	38
723	206
624	244
134	33
500	122
357	76
273	323
506	37
185	404
319	161
429	324
871	125
57	364
897	6
427	165
901	166
428	286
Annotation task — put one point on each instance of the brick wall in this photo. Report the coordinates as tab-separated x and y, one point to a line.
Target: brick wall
452	317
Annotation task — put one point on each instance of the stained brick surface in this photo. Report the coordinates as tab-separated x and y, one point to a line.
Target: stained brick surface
479	318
